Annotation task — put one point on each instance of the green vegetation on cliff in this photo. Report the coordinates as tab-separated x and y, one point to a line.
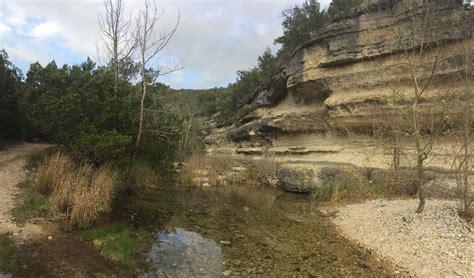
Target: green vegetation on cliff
300	23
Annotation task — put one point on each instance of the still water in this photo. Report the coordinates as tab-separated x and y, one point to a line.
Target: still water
183	253
245	231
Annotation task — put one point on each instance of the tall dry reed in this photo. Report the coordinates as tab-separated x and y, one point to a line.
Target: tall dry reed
82	193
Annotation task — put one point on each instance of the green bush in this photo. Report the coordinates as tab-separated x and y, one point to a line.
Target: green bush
101	148
79	107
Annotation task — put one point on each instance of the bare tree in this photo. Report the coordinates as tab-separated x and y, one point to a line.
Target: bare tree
150	42
421	52
463	163
417	55
190	138
116	34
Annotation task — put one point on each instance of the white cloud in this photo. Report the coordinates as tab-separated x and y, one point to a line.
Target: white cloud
46	29
261	29
4	29
16	20
25	55
217	37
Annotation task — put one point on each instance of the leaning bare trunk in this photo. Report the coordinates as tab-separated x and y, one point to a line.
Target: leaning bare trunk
396	152
419	183
466	194
142	104
420	155
116	66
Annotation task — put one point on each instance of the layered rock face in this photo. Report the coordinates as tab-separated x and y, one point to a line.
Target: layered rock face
358	69
358	75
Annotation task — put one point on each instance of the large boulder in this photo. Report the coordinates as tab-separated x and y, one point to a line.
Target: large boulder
300	178
303	177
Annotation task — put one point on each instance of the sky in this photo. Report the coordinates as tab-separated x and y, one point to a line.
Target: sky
215	38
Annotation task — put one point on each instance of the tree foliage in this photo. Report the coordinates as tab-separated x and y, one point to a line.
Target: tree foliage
77	106
11	119
340	6
80	107
299	23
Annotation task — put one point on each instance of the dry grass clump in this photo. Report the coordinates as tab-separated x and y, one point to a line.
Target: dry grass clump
141	176
352	185
348	184
81	193
89	201
52	172
199	170
262	172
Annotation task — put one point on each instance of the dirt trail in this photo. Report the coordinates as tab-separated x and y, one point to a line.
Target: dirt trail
47	251
12	162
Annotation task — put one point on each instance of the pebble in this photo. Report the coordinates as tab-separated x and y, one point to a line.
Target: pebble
224	242
227	273
436	242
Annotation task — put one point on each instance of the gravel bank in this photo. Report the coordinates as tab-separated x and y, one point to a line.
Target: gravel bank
435	243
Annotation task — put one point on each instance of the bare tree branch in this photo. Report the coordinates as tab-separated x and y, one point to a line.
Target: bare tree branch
150	43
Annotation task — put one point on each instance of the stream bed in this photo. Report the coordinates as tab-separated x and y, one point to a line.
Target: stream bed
244	231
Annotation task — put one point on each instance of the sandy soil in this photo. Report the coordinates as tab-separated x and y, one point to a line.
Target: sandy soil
436	243
12	162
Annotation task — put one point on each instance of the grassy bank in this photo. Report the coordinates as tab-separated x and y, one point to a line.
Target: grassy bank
8	254
31	203
80	197
349	185
118	242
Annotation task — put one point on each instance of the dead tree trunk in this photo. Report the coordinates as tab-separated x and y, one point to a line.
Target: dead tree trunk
150	43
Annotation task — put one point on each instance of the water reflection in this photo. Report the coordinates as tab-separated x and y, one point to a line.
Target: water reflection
185	254
271	234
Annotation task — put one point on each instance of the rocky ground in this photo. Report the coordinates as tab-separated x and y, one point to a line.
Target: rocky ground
435	243
12	162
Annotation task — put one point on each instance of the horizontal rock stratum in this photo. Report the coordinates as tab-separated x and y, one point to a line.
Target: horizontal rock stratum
358	70
355	81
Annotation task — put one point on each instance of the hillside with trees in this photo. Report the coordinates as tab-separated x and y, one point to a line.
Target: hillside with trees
343	150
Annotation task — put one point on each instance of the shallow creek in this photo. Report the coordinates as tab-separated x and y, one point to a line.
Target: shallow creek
244	231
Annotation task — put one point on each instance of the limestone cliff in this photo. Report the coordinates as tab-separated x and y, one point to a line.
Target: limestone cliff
355	75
